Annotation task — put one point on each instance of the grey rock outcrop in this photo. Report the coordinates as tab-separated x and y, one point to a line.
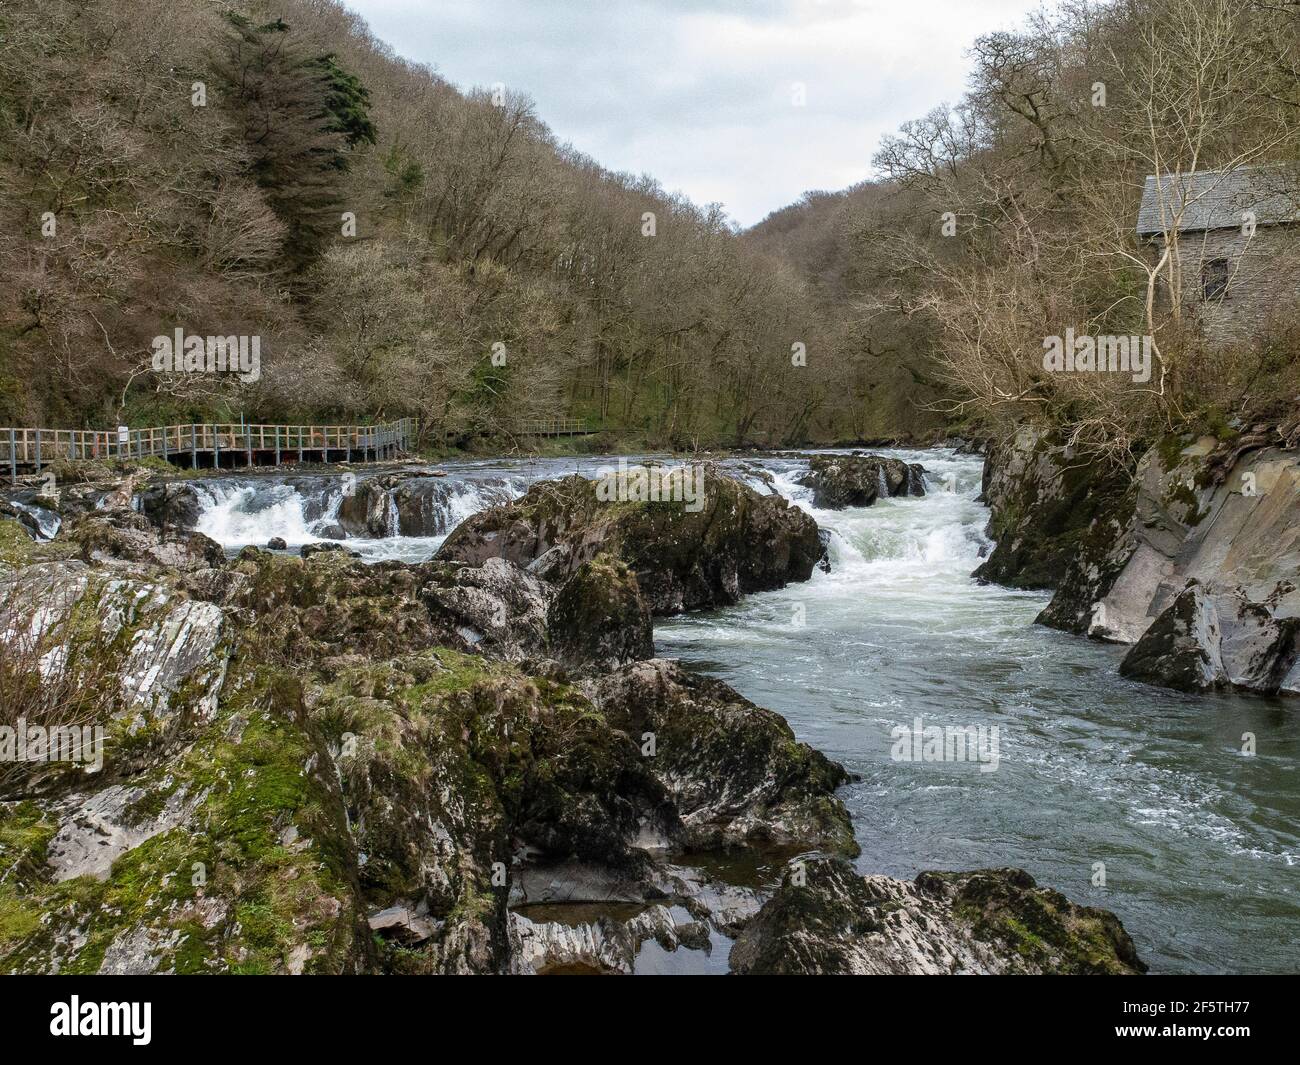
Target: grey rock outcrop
684	556
769	790
826	919
1194	558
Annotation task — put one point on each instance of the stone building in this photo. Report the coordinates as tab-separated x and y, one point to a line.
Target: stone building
1238	241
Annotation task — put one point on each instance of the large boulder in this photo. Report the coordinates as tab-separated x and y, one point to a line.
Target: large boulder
127	654
1192	555
825	919
599	618
368	510
172	504
840	481
1060	521
128	536
331	604
685	555
1203	512
1207	640
734	770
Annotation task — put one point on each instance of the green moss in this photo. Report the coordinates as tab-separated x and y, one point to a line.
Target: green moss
19	917
16	546
248	779
25	834
1181	493
1170	449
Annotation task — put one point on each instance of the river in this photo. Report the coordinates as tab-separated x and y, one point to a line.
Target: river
1096	776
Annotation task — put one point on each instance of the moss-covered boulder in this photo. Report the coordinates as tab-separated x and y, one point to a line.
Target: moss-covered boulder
313	767
685	555
126	535
826	919
598	617
231	856
735	772
457	772
1060	521
1121	546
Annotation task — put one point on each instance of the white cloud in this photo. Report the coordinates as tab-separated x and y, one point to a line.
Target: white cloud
699	92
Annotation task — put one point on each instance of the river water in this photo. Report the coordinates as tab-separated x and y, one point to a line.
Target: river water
1096	776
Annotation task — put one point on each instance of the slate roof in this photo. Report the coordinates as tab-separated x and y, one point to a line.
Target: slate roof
1216	199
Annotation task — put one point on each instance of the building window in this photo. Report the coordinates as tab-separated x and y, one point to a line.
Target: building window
1214	279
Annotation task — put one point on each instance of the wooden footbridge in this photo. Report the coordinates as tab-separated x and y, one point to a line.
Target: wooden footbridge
227	446
213	446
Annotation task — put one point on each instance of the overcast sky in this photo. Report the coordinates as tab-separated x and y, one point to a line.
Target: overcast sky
702	93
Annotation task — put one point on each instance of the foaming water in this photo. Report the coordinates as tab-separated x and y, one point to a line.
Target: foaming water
240	513
243	510
1199	842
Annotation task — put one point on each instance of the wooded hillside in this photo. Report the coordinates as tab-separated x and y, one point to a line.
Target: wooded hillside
271	170
182	164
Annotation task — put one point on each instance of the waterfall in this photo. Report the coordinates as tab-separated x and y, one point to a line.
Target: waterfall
237	511
903	538
240	512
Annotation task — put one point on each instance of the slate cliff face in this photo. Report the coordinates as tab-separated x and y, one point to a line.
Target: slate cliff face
1193	558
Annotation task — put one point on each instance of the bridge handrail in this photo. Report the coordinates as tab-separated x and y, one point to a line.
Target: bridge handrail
40	446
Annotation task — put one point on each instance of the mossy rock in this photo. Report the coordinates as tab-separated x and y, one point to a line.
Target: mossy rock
599	617
684	555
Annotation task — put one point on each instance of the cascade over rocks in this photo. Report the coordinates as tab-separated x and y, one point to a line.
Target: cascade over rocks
738	541
840	481
826	919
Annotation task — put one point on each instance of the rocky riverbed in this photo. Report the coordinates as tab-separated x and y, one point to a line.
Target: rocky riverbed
470	764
